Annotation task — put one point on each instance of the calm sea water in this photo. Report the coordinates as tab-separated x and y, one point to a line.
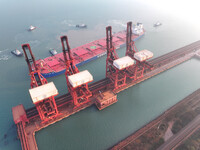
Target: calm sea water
91	129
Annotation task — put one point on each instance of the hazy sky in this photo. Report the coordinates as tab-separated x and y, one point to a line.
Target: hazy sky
186	9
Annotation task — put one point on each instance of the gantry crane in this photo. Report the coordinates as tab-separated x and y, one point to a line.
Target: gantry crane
42	92
140	57
77	82
115	66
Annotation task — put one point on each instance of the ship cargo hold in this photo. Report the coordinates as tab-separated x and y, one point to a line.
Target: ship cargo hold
54	65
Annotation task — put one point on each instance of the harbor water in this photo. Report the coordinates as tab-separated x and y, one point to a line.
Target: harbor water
91	129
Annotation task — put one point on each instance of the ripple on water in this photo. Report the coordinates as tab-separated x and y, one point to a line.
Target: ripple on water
68	23
116	23
5	54
34	43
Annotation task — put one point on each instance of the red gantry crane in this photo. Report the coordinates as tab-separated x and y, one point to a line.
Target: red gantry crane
140	57
115	66
77	82
42	92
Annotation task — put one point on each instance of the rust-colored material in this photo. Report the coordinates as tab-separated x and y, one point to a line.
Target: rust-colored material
19	114
81	93
66	108
20	119
136	71
46	108
130	44
36	78
105	99
118	77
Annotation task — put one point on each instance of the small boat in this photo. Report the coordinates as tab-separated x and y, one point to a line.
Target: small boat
17	52
81	26
53	52
32	28
157	24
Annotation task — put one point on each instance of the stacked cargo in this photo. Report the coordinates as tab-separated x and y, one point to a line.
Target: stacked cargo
123	62
143	55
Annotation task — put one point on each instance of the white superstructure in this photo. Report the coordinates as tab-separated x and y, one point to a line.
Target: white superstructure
123	62
138	28
42	92
143	55
80	78
32	28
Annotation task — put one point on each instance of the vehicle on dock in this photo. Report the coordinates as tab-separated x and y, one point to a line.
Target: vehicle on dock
16	52
81	26
157	24
53	52
31	28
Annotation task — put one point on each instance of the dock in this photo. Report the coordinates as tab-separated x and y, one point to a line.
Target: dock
26	131
175	140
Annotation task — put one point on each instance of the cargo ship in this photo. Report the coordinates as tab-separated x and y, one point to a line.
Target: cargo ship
54	65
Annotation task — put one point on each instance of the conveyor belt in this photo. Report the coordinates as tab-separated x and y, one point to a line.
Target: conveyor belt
21	134
32	112
176	53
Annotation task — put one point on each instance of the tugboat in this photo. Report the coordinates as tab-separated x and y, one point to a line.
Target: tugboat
53	52
32	28
16	52
157	24
81	26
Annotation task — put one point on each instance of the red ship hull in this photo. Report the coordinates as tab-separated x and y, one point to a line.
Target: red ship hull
54	65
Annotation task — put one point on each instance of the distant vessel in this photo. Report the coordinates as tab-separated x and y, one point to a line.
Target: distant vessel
16	52
81	26
138	28
53	52
32	28
157	24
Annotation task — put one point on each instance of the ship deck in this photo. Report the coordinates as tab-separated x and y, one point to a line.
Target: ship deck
54	65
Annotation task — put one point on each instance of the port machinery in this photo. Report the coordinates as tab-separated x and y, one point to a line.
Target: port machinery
136	71
55	65
119	69
115	66
77	82
29	121
45	102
